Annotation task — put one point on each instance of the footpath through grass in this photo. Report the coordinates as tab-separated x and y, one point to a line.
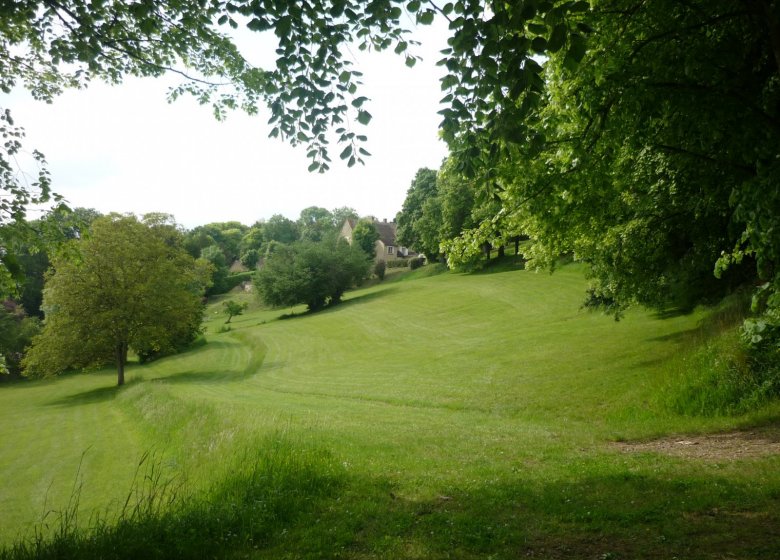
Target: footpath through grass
450	416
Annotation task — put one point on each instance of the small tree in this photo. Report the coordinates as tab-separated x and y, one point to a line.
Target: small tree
316	274
365	236
379	269
233	309
131	285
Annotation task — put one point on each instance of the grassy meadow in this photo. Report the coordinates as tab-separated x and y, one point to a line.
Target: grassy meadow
429	416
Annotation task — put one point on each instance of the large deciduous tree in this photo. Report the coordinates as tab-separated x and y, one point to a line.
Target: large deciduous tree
644	137
129	285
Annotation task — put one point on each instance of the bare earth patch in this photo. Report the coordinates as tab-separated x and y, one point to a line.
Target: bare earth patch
745	444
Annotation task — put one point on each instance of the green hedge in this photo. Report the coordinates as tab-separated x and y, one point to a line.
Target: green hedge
234	280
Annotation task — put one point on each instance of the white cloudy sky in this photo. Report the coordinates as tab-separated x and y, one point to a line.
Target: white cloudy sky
125	149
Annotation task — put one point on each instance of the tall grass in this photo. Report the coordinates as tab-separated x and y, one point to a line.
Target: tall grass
718	375
257	493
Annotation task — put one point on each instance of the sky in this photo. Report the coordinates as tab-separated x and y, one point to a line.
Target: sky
126	149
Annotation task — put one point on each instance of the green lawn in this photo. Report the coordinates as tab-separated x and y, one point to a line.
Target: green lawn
463	416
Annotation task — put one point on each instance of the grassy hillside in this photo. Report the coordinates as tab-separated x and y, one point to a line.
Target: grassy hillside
445	416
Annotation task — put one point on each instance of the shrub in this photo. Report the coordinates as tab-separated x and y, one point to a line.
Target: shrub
379	270
397	263
416	262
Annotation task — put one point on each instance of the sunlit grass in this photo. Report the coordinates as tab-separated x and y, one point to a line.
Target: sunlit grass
464	415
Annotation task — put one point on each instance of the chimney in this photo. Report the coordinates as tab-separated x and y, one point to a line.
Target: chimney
385	220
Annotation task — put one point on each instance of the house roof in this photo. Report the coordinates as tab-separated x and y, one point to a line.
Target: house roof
386	232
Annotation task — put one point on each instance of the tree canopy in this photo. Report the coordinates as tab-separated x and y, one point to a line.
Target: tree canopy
128	285
365	236
311	273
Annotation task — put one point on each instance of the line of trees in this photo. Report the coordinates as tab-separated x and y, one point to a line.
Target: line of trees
117	284
224	243
445	214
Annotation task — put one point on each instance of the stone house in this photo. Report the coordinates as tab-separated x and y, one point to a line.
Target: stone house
386	247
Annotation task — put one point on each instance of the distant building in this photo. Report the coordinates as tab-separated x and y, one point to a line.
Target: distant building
386	247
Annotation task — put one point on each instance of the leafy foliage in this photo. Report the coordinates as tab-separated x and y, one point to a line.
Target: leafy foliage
315	223
281	229
16	332
422	189
315	274
233	308
220	270
380	267
49	46
132	286
365	236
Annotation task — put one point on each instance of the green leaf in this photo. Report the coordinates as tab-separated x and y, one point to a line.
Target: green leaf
579	7
577	47
557	38
346	152
426	17
313	166
364	117
413	6
539	44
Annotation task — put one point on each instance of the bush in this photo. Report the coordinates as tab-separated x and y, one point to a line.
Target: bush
314	273
416	262
379	270
397	263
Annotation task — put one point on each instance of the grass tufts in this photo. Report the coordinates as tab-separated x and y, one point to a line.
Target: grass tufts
261	491
719	375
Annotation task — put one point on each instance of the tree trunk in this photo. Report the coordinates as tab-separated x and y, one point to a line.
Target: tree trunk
121	360
500	251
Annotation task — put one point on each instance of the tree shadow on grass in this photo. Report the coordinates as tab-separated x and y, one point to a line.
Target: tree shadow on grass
349	302
97	395
679	337
252	367
201	377
619	516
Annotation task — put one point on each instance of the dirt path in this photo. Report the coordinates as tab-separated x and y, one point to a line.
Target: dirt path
745	444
